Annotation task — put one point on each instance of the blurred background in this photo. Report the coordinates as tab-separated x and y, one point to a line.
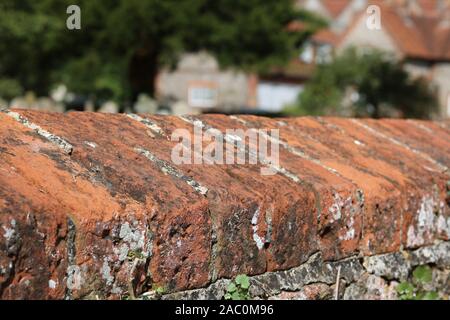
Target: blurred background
266	57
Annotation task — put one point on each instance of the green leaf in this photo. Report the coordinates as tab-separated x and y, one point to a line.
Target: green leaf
245	285
236	296
418	296
239	278
423	274
243	281
405	288
231	287
430	296
160	290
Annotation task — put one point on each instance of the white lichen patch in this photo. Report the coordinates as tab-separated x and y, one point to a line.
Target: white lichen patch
135	238
339	204
116	289
258	240
168	169
417	235
412	238
335	211
9	232
350	233
52	284
147	122
122	252
75	277
443	223
58	141
106	273
344	210
93	145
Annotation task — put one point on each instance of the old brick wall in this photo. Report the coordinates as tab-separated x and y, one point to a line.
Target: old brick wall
92	206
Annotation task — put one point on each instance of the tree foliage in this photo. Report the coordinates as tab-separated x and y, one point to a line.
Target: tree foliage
365	84
122	43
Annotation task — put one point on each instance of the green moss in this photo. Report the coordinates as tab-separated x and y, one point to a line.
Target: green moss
135	254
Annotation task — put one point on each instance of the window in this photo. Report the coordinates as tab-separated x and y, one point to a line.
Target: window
324	52
307	54
202	94
273	96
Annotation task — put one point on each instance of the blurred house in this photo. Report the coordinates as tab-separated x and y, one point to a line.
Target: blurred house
199	82
339	13
416	31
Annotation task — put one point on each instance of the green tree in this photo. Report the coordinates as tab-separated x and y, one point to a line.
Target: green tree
365	84
27	46
123	43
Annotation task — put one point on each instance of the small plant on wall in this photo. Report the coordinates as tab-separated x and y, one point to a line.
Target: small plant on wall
238	288
414	290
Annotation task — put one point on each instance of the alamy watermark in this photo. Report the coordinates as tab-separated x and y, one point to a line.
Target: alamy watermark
373	21
73	21
236	146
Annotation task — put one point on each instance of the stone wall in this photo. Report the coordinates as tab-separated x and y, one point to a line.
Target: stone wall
373	278
92	206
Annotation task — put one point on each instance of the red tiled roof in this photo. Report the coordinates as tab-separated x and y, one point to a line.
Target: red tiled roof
326	36
405	34
418	36
335	7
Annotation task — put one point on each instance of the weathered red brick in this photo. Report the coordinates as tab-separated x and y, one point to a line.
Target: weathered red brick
101	201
